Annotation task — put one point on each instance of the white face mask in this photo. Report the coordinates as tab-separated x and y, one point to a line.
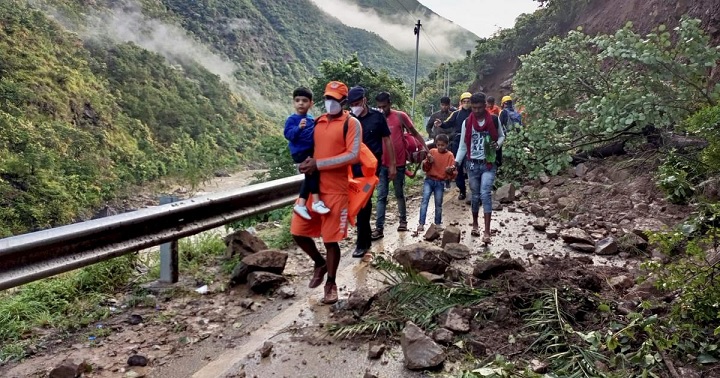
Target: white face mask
333	106
357	110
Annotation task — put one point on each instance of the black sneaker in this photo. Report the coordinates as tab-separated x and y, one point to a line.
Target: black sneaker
461	197
377	234
359	252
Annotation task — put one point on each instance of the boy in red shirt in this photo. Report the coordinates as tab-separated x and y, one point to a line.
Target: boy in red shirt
439	166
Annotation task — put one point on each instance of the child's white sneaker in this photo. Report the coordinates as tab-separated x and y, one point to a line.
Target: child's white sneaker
302	211
320	208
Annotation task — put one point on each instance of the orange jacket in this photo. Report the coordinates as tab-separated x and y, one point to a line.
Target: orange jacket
441	161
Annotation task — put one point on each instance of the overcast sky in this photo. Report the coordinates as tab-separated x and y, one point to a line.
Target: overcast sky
482	17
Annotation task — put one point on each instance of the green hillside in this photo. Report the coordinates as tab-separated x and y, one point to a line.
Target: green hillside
80	121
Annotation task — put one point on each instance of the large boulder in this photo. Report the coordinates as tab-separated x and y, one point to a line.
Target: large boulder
420	351
243	243
505	194
270	260
450	235
422	257
432	233
495	267
576	235
261	282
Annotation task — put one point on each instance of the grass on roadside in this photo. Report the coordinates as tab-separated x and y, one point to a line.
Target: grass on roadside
66	302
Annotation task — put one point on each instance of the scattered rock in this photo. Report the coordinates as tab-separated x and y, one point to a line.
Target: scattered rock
443	336
497	206
644	226
360	300
607	246
420	351
631	241
261	282
621	282
528	246
504	254
266	349
247	303
67	369
222	173
243	243
544	178
544	193
576	235
495	267
450	235
368	374
582	247
537	210
564	202
286	292
457	251
687	372
581	170
457	321
539	367
135	319
272	261
137	360
422	257
432	277
476	347
376	351
590	281
506	193
540	224
551	234
644	291
138	372
432	233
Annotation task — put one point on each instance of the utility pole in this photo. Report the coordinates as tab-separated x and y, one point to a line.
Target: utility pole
447	76
417	57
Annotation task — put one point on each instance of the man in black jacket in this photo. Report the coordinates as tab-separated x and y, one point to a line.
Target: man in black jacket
442	115
452	126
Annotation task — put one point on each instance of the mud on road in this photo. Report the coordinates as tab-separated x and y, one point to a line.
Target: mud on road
221	333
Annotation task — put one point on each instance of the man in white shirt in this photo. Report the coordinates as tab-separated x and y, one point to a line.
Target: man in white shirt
480	138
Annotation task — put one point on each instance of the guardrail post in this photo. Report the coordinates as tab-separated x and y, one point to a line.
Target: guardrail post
169	263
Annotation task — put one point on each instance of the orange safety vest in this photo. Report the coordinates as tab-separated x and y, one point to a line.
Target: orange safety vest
360	189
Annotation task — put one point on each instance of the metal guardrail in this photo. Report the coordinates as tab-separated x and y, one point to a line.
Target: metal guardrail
29	257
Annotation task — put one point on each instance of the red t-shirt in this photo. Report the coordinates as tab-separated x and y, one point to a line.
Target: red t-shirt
395	122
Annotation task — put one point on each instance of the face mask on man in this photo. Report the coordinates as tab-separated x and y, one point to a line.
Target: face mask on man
357	110
333	106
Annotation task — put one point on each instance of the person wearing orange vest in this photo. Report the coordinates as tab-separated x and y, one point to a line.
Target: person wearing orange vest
336	150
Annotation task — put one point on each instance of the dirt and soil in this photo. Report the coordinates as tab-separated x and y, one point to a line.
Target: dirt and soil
183	333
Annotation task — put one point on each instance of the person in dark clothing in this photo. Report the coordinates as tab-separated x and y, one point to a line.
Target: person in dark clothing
442	115
376	133
452	126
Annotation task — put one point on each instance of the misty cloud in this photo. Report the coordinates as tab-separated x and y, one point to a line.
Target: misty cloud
129	24
438	30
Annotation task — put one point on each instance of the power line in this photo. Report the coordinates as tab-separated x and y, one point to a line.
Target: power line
427	38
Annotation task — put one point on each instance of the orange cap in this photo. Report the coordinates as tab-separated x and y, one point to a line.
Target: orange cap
336	90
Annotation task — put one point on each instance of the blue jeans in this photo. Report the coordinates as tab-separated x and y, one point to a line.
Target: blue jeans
382	191
481	183
434	188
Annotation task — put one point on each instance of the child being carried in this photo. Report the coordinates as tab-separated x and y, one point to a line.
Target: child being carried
299	131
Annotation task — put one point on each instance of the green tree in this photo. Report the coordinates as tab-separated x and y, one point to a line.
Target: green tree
352	72
584	91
